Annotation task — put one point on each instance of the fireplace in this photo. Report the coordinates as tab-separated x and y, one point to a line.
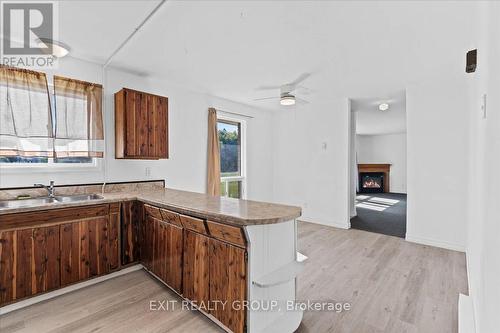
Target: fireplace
378	178
371	182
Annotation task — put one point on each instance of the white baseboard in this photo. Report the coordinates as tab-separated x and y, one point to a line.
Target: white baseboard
436	243
51	294
325	222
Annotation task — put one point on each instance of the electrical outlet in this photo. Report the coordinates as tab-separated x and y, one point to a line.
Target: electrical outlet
148	172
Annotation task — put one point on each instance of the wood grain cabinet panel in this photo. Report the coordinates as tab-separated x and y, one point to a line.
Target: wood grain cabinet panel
227	233
228	282
71	254
46	259
89	248
141	125
24	257
193	223
7	266
196	285
173	246
131	215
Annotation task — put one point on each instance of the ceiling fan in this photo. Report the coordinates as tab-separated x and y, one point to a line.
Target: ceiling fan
287	91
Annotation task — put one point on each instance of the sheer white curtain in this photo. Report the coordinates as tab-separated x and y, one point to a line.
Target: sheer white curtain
25	116
79	125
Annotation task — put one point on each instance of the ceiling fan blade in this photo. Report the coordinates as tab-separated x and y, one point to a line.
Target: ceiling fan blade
304	90
301	100
261	99
267	87
301	78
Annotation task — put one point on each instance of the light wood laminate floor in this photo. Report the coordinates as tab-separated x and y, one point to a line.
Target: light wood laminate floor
392	286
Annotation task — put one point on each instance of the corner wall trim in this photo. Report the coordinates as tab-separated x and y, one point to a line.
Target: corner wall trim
436	243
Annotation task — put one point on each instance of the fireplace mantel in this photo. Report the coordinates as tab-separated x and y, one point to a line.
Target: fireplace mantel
385	168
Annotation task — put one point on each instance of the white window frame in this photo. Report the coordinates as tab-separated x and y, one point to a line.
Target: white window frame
243	165
51	166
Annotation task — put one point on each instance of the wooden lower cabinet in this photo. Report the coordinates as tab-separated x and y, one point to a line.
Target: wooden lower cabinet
29	262
7	267
228	283
205	265
45	264
164	251
40	259
196	284
131	217
215	272
89	248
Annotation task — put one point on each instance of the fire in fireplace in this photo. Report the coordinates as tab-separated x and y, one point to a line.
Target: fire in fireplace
371	182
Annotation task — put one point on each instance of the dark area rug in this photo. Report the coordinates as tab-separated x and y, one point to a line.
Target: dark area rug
383	213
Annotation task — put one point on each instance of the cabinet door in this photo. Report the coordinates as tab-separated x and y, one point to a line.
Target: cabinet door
113	227
132	102
196	267
173	237
228	282
130	215
73	256
97	236
158	126
141	124
7	268
24	259
159	248
46	265
148	242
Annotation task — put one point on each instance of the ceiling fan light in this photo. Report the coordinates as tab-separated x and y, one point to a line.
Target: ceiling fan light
383	107
287	100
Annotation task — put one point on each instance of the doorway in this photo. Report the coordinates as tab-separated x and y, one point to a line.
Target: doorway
378	164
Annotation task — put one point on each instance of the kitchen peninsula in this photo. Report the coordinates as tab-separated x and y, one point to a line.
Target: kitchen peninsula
205	248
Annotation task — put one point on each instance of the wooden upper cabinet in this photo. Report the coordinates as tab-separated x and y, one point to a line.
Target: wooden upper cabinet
141	125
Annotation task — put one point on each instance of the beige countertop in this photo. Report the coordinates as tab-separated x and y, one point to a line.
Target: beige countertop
219	209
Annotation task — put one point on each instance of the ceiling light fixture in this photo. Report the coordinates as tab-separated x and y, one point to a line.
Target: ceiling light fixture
287	99
383	107
59	49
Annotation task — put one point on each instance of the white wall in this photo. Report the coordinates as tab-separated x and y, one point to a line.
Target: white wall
483	245
306	172
438	158
387	148
186	167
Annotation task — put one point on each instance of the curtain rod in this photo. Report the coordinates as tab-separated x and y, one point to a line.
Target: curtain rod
237	114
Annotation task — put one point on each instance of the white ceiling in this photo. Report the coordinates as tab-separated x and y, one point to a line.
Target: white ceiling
371	121
231	48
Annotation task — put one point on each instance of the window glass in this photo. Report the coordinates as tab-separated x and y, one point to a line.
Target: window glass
230	148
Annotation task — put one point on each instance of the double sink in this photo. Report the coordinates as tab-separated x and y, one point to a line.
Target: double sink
40	201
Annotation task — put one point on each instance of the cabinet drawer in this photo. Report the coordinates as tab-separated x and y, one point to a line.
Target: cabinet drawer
153	211
227	233
171	217
192	223
51	217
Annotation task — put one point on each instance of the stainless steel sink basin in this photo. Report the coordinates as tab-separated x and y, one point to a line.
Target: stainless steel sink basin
77	197
6	204
26	202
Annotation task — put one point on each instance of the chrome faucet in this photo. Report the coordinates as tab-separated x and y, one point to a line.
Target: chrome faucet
49	188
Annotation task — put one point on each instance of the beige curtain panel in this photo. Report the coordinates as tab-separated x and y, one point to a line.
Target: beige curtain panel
79	125
213	168
25	114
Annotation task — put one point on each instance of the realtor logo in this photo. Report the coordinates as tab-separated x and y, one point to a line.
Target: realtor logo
25	25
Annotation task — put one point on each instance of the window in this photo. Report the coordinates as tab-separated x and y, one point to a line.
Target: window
232	157
48	161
